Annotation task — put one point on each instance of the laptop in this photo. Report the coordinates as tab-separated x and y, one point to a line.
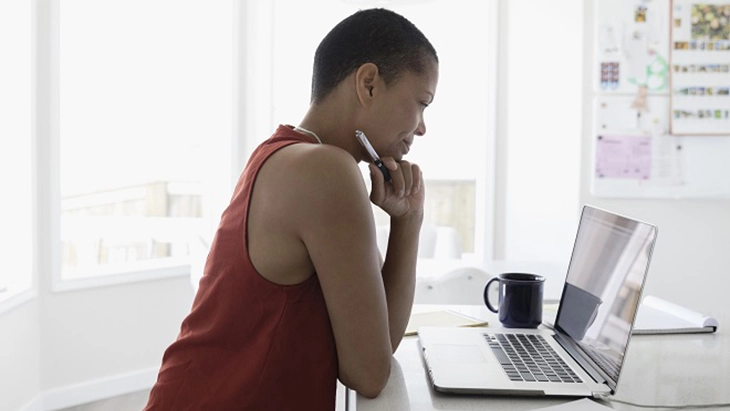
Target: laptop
584	352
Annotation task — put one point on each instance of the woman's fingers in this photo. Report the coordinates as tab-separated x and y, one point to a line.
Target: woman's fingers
402	175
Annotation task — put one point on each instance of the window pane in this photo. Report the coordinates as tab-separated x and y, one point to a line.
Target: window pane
16	206
453	152
145	124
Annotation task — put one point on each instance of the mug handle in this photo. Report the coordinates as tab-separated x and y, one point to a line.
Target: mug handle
486	295
593	317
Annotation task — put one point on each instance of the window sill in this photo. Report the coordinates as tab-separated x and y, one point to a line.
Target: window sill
10	298
110	276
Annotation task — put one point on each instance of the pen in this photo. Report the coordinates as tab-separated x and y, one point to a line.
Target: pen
376	159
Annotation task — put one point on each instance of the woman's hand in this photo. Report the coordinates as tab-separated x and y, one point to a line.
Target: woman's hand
404	195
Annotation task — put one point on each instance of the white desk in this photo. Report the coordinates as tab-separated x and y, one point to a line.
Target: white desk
675	369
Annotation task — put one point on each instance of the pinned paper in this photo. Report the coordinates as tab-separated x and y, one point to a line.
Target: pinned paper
623	157
667	161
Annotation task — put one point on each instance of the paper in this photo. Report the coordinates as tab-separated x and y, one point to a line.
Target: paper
623	157
666	165
442	318
579	405
637	57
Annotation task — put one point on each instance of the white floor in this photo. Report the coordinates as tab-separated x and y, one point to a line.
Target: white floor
129	402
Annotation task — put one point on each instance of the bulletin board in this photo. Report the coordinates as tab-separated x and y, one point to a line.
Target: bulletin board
643	142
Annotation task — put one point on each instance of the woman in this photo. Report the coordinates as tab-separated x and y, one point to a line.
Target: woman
295	294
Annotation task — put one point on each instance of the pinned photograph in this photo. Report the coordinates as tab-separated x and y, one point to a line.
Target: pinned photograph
710	22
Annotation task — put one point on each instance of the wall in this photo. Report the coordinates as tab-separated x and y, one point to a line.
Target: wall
691	263
20	363
538	130
108	332
65	349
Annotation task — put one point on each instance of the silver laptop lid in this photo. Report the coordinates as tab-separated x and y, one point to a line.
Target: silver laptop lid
603	287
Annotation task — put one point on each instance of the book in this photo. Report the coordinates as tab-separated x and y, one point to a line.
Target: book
658	316
441	318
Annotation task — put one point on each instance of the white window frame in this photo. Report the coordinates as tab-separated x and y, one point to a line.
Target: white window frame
10	296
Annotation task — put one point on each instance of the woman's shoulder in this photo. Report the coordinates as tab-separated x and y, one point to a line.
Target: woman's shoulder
320	162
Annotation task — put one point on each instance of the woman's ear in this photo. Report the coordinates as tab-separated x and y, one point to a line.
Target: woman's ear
367	77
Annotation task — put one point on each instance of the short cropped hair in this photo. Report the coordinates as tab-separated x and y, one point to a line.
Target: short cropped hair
377	36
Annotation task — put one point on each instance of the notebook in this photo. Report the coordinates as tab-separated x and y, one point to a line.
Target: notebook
659	316
441	318
584	353
656	316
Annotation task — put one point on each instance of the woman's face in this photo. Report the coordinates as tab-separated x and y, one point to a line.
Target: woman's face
397	115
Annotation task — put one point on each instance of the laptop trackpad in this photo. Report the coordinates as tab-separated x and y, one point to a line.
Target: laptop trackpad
457	353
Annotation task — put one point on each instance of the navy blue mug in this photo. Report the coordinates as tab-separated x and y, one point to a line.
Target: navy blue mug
520	299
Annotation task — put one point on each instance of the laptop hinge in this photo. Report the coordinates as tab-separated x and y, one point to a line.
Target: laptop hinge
574	352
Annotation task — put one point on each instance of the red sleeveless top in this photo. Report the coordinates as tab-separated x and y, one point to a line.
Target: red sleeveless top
249	344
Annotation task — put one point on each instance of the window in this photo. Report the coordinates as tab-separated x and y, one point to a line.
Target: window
454	152
145	115
16	207
510	196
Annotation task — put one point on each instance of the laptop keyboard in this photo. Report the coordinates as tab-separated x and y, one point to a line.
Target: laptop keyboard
610	365
528	357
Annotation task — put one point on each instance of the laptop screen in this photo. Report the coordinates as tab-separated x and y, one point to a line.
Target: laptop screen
603	286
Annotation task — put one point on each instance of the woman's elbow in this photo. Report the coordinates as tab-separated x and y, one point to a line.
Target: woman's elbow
371	384
372	389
